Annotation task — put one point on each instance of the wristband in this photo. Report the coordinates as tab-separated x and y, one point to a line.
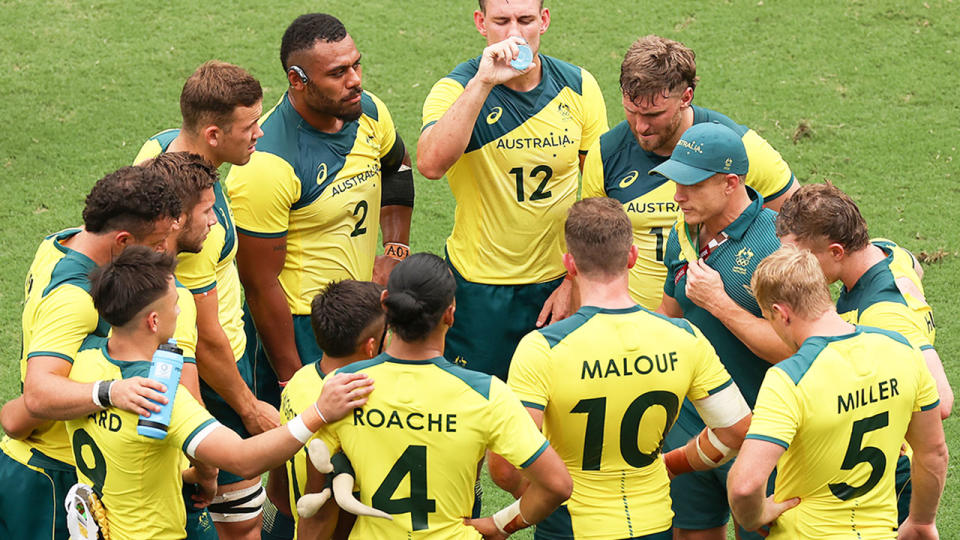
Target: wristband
396	250
677	462
299	430
704	457
509	519
317	408
96	394
101	393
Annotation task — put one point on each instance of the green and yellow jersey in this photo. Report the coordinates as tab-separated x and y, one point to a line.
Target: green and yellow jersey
301	392
840	407
138	478
156	145
610	383
319	190
881	299
618	167
519	173
416	444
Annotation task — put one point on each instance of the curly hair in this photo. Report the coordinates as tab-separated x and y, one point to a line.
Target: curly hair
188	174
131	199
657	66
306	30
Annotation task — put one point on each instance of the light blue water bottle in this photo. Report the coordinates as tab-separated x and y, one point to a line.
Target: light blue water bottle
524	57
165	368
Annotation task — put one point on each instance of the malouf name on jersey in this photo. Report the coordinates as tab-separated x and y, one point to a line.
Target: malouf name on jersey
522	143
620	367
371	172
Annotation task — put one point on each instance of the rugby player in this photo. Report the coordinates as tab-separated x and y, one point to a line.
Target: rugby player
138	478
605	385
348	320
832	417
415	445
220	105
658	77
711	253
511	144
131	206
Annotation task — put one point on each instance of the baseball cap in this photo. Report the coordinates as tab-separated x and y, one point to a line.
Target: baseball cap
703	150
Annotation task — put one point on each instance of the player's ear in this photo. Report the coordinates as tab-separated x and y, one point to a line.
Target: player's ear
837	251
686	98
632	257
211	135
448	314
369	347
153	322
478	21
544	20
782	311
123	239
570	264
383	299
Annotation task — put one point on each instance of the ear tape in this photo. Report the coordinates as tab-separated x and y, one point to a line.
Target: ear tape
299	71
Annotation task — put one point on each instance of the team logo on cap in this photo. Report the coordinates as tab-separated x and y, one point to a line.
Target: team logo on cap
494	116
727	164
691	145
629	179
743	258
321	173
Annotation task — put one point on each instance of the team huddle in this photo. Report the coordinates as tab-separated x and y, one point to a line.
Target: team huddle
644	362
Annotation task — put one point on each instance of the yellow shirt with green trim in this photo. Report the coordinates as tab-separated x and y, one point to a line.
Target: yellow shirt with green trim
58	314
519	173
138	478
618	167
301	392
877	300
416	444
319	190
213	267
610	383
840	407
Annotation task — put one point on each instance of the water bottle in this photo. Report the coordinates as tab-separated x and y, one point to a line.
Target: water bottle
523	58
165	368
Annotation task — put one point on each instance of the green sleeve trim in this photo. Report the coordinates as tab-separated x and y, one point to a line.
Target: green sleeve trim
931	406
202	290
189	360
531	405
784	189
50	353
261	234
583	152
428	124
186	442
926	347
536	454
765	438
719	388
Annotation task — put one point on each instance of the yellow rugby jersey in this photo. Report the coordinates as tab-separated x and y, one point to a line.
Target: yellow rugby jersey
618	167
877	300
320	190
610	383
137	477
519	173
301	392
840	406
416	444
58	314
213	267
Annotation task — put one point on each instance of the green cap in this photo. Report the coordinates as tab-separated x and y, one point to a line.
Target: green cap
703	150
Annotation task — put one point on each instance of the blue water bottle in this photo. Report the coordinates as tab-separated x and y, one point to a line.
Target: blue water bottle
524	58
165	368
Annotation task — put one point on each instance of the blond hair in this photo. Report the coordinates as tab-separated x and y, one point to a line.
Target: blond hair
793	277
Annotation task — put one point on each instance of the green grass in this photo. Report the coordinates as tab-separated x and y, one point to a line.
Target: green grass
872	81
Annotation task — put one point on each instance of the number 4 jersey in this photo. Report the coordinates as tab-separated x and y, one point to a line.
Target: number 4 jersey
320	190
841	406
416	444
610	383
519	173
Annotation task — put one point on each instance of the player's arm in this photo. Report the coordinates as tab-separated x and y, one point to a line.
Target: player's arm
324	522
441	144
16	420
396	210
932	359
705	288
727	417
775	203
249	458
670	307
928	471
769	174
503	473
218	368
259	262
747	485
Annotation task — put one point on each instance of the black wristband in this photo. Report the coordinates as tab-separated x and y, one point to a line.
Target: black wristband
103	393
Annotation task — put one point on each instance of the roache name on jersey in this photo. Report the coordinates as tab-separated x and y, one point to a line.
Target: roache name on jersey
373	417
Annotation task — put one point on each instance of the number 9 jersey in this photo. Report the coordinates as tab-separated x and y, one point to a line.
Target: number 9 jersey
320	190
610	383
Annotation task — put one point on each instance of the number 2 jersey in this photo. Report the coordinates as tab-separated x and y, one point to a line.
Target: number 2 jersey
320	190
519	173
416	444
610	383
840	406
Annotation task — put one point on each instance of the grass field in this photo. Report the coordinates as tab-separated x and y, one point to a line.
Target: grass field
860	92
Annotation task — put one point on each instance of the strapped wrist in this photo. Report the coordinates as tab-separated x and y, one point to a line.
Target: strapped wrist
396	250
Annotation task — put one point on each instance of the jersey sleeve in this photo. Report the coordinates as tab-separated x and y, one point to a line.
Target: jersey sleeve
385	128
768	173
441	97
671	258
198	271
300	393
513	434
593	185
776	416
186	331
190	423
149	150
898	318
927	395
594	112
710	376
261	194
529	371
63	320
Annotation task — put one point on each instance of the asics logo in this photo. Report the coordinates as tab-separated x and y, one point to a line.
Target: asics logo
321	173
629	179
495	115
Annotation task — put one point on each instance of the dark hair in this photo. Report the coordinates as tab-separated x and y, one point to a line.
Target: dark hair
342	314
657	66
420	288
598	235
212	93
306	30
188	174
131	282
483	5
822	211
131	199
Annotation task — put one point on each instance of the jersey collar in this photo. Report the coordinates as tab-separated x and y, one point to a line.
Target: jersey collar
739	227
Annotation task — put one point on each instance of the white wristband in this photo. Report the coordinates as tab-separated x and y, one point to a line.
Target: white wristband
96	398
299	430
506	515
